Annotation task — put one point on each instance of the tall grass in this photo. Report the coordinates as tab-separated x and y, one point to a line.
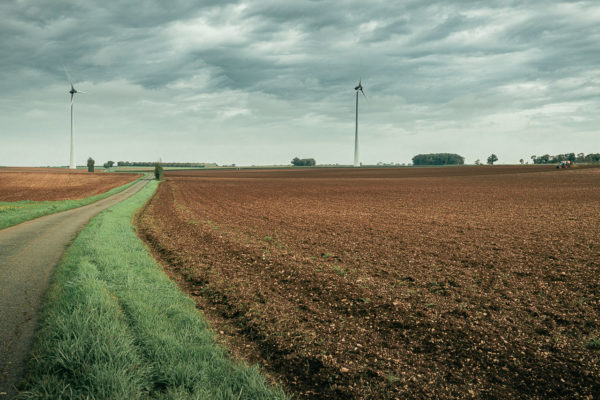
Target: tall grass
115	327
15	212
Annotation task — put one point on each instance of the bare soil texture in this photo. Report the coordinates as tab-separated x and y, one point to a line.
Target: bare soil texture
472	282
38	184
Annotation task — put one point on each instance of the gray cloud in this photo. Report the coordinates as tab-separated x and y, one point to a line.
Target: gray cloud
470	75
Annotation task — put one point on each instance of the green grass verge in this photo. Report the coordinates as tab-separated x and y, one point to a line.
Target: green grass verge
15	212
115	327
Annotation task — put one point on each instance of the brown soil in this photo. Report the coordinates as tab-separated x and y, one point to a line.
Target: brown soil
471	282
56	184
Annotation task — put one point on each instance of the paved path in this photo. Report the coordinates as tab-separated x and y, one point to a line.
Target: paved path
29	252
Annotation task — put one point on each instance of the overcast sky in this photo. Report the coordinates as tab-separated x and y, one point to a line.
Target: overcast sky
260	82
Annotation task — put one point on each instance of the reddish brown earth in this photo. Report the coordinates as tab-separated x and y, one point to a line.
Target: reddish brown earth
56	184
472	282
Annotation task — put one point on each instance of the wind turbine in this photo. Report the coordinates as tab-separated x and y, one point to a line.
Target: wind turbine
72	91
357	89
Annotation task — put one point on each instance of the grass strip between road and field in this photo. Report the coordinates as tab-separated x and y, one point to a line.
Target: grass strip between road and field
115	327
15	212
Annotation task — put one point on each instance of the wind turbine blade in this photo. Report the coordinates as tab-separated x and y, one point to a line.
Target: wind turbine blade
79	91
68	76
71	98
363	93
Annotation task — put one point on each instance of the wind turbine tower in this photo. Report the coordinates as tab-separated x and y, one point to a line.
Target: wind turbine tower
72	164
357	89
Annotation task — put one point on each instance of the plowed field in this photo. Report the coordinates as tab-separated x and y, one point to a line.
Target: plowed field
56	184
470	282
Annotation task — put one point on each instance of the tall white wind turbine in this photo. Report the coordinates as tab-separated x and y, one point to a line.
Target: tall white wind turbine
357	89
72	164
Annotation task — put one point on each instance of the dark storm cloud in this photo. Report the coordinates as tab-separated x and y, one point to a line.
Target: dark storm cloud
45	35
330	42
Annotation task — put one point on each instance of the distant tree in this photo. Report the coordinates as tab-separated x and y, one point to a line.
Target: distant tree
438	159
522	161
593	157
545	159
158	171
90	164
477	162
304	162
580	157
492	159
109	164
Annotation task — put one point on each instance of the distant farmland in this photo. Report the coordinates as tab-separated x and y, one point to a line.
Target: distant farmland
39	184
394	283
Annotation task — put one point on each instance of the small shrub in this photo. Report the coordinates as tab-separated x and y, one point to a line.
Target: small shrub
158	171
391	378
593	343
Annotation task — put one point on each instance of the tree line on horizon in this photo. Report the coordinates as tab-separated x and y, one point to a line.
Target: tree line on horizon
580	158
303	162
164	164
438	159
419	159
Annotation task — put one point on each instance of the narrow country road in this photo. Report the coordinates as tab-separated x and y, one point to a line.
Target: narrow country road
29	252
